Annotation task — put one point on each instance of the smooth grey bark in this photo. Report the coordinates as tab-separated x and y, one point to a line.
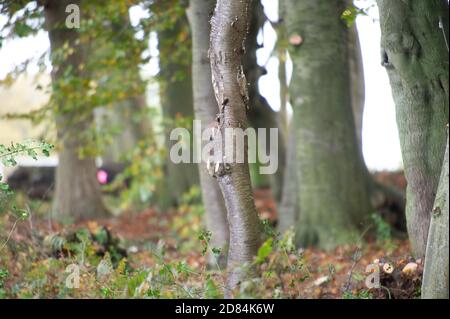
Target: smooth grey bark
381	196
333	184
280	28
415	55
229	27
356	70
435	284
77	191
205	110
288	211
177	102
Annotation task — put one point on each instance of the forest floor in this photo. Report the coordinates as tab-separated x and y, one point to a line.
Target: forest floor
163	255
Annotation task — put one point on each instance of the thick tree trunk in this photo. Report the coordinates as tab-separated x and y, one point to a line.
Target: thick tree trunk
415	55
435	283
333	185
205	110
229	27
177	103
77	193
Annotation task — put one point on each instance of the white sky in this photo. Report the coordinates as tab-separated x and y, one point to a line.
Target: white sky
380	138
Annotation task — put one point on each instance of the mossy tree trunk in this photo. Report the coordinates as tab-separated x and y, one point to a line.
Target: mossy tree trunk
333	184
229	27
77	191
415	55
205	110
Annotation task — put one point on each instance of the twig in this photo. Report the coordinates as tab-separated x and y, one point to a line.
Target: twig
10	233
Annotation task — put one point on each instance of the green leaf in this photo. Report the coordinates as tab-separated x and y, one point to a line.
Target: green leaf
264	251
32	153
216	251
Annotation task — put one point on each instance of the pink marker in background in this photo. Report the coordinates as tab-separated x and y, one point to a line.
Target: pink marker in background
102	176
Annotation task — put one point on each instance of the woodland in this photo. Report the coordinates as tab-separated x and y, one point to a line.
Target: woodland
118	186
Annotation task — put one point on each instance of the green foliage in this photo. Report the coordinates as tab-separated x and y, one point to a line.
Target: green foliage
382	228
188	223
170	22
107	73
363	294
4	273
351	13
264	251
205	237
30	148
8	155
383	233
138	182
281	267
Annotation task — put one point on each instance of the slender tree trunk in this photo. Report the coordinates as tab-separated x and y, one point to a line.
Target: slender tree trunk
77	193
282	69
229	27
435	284
333	185
356	70
205	110
260	113
415	55
288	212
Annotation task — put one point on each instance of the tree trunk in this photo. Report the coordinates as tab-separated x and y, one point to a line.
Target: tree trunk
356	70
288	211
435	276
289	207
77	193
229	27
204	107
415	55
333	185
282	51
177	104
260	113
